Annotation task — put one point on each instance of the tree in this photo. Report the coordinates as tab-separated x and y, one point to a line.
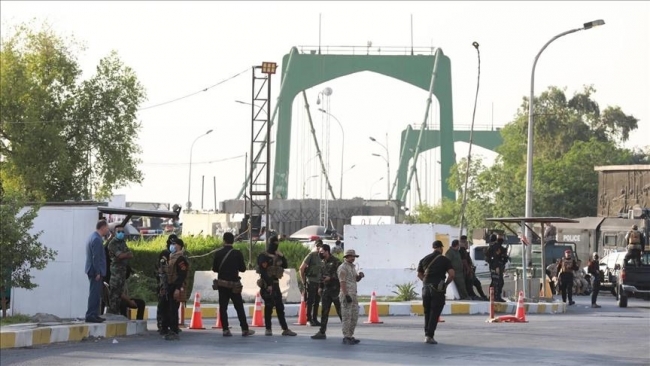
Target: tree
61	136
21	250
571	136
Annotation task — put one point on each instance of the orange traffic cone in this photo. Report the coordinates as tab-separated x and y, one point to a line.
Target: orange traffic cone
302	313
197	318
217	325
521	310
373	315
258	320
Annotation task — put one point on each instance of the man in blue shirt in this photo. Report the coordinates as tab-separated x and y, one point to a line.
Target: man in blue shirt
96	270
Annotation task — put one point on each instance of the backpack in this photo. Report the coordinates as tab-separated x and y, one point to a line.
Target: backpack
634	238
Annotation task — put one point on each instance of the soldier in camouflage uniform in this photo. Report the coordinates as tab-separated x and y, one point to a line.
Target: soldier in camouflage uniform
329	288
271	265
161	277
119	254
348	279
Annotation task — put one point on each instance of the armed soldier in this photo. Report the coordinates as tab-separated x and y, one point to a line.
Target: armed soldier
161	278
565	269
271	265
329	288
497	258
436	272
119	254
310	274
635	245
176	272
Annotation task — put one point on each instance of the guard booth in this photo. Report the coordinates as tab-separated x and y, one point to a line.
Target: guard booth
530	273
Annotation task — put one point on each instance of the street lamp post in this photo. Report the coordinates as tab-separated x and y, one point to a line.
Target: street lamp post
342	148
387	165
373	185
189	180
304	183
531	120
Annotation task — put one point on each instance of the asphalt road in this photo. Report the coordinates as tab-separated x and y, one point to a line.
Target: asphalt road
583	336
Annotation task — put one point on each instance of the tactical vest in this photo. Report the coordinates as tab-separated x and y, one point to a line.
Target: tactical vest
567	265
172	274
314	263
634	237
275	270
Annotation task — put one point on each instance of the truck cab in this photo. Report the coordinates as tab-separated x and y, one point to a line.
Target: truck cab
634	281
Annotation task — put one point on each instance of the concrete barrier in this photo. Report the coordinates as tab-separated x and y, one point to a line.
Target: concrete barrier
30	334
203	285
412	308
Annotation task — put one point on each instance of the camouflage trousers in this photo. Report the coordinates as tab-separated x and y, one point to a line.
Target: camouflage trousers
115	291
350	315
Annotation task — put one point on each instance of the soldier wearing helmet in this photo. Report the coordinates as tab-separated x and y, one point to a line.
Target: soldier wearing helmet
635	245
565	269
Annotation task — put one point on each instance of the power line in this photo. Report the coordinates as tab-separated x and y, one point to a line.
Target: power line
141	109
195	93
199	162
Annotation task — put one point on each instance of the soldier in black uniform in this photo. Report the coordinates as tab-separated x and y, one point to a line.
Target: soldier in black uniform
228	262
270	266
497	258
177	269
329	288
432	270
163	257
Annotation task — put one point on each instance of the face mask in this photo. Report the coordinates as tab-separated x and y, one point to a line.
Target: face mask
321	255
172	249
119	236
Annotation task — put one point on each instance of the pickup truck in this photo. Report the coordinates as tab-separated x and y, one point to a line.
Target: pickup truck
634	281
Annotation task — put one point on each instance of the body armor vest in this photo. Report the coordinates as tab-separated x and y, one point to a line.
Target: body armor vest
567	265
171	267
275	270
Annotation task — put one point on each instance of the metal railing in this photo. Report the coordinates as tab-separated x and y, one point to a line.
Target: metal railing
367	50
459	127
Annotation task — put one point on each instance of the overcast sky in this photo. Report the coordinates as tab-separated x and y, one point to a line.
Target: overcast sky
179	48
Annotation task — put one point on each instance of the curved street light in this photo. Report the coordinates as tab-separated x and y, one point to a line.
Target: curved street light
387	165
531	120
342	147
189	180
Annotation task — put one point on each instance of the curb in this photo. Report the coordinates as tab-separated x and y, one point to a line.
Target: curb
16	336
209	311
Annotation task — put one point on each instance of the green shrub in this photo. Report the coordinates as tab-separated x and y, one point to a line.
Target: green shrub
199	251
405	292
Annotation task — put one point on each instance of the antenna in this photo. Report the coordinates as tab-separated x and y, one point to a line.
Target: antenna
411	34
319	31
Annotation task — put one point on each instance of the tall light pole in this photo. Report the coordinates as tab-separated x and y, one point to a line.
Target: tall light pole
342	148
531	120
387	165
189	179
304	183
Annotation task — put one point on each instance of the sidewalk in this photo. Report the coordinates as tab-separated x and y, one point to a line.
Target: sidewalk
33	334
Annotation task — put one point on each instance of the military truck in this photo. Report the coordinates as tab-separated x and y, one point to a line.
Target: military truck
603	234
